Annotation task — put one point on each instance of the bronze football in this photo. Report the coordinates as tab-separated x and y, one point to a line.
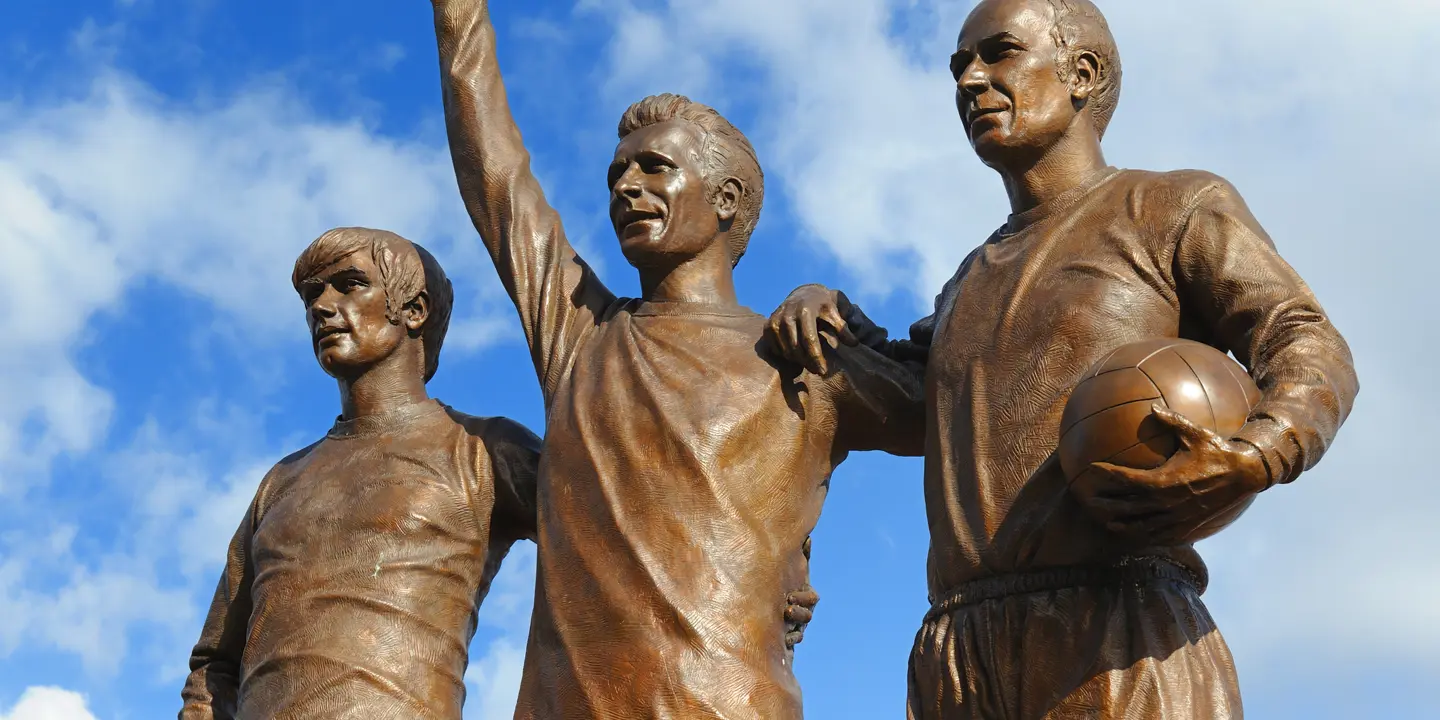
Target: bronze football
1108	418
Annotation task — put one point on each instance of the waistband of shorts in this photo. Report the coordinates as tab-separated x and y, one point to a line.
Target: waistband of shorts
1126	572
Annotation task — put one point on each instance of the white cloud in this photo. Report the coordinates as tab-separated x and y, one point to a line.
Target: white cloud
172	515
48	703
1315	110
495	681
389	55
122	186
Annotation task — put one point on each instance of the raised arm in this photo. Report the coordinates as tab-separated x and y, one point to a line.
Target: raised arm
211	691
557	295
1258	307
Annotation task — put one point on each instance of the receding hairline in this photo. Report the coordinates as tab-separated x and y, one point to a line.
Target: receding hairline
1051	12
1049	15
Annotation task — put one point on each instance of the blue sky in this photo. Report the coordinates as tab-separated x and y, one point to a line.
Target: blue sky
163	161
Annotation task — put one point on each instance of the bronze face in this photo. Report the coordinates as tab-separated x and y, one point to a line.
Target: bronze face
659	206
346	311
1011	97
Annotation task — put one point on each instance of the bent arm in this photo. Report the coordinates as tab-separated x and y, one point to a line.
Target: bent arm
556	294
515	465
879	402
914	351
1258	307
212	689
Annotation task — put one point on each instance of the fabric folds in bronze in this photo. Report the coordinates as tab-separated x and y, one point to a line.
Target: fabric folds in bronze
351	587
1124	652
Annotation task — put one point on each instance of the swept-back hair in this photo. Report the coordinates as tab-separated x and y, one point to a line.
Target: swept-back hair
1080	27
725	152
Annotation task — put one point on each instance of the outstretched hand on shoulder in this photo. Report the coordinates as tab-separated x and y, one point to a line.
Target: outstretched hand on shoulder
795	330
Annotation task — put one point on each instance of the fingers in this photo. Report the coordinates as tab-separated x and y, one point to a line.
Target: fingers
798	614
1138	518
832	316
790	339
806	598
794	637
777	335
795	333
1107	510
1189	432
1116	479
814	351
1159	527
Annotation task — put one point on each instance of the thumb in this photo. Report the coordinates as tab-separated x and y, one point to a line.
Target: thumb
1190	433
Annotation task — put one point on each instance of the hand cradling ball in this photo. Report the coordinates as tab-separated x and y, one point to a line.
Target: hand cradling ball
1108	417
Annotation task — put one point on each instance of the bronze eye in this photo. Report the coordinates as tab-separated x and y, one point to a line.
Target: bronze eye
958	62
654	165
999	51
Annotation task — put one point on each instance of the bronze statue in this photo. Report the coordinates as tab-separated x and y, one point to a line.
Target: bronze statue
683	466
351	586
1059	601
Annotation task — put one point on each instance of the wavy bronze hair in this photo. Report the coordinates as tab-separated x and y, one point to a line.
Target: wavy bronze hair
406	270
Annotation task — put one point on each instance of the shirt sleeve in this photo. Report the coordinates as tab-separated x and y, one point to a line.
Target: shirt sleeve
558	297
1229	273
509	454
211	691
915	349
879	402
514	459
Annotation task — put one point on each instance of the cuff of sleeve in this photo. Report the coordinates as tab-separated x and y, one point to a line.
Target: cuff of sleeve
1267	437
865	330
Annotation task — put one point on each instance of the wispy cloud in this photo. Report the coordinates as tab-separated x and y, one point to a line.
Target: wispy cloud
122	186
48	703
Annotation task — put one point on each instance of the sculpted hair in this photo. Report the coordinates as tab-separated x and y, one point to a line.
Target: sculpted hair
725	153
1080	27
406	270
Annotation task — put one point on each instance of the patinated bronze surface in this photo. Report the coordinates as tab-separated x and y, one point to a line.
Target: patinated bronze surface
351	586
683	466
1061	601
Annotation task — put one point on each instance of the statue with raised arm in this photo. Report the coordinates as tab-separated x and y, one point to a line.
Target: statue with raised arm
684	467
1053	599
351	586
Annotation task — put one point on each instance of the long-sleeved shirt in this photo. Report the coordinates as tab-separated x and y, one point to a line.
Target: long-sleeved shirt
1131	255
351	587
683	467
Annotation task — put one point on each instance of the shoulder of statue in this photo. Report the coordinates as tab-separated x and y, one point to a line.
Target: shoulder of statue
1171	197
496	432
1189	186
288	467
